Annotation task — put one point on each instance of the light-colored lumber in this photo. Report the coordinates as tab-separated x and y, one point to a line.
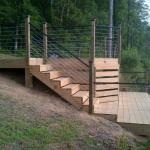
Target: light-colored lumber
107	73
72	88
106	99
106	64
83	94
53	74
106	86
134	112
108	80
107	93
63	81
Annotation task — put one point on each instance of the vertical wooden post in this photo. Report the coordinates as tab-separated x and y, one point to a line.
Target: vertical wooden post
28	38
28	75
92	69
45	41
119	44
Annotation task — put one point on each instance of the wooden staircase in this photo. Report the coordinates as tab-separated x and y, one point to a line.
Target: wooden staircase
107	75
60	84
107	87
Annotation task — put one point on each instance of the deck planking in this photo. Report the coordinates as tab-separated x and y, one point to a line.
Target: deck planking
134	112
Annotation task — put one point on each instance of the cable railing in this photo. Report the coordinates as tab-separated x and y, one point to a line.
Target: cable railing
76	40
12	40
102	41
37	49
135	81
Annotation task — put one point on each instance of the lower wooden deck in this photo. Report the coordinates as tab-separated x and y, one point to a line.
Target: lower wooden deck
132	111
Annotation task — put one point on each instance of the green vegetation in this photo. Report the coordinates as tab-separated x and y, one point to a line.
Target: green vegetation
146	146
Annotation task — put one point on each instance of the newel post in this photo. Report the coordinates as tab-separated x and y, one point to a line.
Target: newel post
45	45
92	68
28	75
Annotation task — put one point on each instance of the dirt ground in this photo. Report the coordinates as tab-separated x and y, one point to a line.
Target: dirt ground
48	105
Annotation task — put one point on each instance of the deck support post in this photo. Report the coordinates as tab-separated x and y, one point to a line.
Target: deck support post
45	41
28	75
92	69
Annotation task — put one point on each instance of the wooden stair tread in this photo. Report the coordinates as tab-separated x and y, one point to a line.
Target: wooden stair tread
107	93
70	86
63	80
83	94
53	74
108	80
106	64
106	99
73	88
106	86
107	73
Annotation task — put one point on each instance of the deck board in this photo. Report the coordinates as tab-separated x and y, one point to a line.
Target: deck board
134	107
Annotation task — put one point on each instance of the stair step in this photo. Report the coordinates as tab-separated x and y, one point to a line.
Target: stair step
107	93
53	74
106	87
108	80
84	95
105	99
107	73
72	88
45	68
62	81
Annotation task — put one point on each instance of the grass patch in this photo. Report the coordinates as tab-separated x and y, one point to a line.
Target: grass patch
25	134
146	146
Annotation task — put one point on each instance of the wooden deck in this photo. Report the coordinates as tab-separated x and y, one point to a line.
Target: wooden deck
132	111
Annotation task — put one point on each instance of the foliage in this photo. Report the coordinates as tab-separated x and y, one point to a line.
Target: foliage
130	59
122	143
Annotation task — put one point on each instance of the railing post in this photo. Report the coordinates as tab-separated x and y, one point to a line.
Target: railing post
92	69
28	75
45	41
119	44
27	37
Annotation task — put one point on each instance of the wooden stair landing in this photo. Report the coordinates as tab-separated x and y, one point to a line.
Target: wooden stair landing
134	112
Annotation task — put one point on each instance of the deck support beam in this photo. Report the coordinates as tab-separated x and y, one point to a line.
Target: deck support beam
28	78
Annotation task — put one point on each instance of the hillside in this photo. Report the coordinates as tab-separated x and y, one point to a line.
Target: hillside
30	117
